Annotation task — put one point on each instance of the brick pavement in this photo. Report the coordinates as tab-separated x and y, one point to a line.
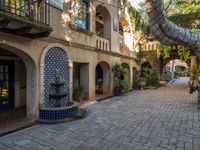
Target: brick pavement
162	119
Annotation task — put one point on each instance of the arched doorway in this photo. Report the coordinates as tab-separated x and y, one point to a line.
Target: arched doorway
18	87
103	22
103	79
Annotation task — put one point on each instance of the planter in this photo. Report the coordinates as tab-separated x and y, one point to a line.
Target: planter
55	115
117	91
142	84
162	83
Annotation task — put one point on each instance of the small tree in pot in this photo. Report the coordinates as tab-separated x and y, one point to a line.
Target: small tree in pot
120	85
79	93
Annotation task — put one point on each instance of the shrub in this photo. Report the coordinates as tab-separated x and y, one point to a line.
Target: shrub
120	85
79	93
123	86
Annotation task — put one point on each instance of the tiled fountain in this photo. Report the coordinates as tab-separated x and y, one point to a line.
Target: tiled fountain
57	105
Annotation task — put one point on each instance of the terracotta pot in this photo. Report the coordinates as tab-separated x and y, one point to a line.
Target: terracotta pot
162	83
117	91
142	84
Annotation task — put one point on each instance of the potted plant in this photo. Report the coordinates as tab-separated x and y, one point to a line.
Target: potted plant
123	85
141	82
195	77
118	72
79	93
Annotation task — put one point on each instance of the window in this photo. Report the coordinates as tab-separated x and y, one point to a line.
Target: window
81	12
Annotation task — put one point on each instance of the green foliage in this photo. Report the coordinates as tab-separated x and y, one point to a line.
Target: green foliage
146	75
166	49
150	75
79	9
157	85
179	72
165	78
123	85
182	6
79	93
184	13
183	51
153	77
195	72
136	18
118	71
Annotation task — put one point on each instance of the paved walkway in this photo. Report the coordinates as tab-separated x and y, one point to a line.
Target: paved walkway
181	81
163	119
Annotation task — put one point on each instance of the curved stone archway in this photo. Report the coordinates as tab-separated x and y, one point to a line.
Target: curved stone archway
103	79
30	73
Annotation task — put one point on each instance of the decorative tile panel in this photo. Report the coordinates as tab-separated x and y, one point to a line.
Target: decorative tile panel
56	58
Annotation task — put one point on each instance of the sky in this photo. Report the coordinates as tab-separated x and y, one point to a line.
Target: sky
135	3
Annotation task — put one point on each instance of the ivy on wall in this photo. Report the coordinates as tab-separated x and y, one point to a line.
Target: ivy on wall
152	57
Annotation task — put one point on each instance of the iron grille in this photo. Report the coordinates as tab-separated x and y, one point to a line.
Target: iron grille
37	11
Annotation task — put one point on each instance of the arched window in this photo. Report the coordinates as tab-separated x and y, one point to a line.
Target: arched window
82	14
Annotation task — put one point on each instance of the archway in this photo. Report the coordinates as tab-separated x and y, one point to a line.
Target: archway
18	88
103	22
176	68
103	79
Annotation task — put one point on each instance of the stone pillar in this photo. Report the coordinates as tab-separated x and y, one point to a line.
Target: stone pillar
173	68
193	64
70	79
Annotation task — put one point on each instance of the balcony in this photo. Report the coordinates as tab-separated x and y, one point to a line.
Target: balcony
25	18
102	44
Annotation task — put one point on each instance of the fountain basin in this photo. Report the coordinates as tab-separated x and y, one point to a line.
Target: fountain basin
57	114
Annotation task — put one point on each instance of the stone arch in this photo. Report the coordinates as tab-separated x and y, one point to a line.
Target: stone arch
103	22
169	68
64	61
31	79
103	78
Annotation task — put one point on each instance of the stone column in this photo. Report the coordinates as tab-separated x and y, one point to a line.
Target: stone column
193	64
70	79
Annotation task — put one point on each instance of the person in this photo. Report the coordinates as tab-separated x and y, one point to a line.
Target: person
4	93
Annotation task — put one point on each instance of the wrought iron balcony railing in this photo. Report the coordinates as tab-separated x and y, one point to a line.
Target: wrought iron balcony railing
36	11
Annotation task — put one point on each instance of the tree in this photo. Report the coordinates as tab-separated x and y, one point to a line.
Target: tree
168	32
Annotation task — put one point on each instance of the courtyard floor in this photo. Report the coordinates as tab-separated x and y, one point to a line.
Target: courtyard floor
162	119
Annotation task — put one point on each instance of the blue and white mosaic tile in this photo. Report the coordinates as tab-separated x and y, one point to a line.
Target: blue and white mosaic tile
56	58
